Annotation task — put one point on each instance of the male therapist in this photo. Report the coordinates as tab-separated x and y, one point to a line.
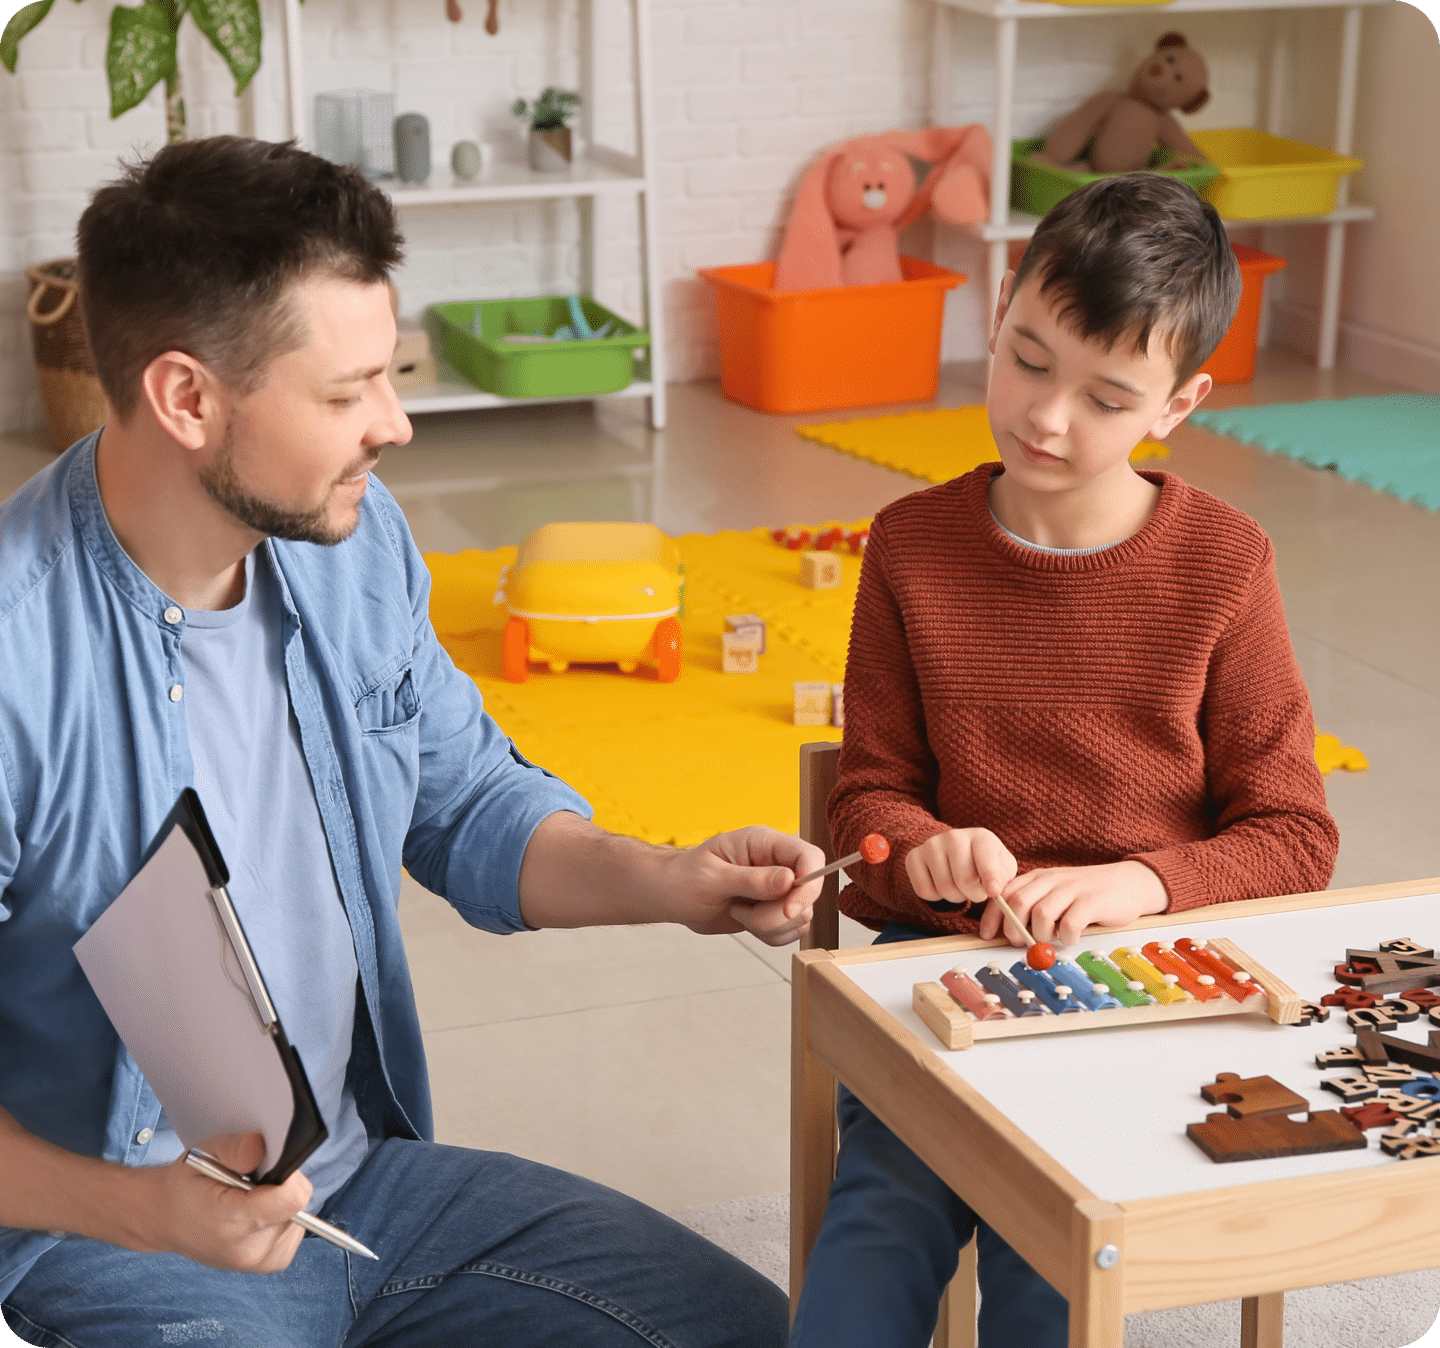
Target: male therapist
213	591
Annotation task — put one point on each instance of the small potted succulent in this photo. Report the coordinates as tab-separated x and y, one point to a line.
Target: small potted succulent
549	132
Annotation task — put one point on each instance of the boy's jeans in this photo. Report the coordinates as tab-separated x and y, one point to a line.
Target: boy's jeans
890	1243
475	1248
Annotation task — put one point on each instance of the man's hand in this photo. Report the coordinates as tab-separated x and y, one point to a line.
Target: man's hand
743	881
965	865
1057	904
211	1223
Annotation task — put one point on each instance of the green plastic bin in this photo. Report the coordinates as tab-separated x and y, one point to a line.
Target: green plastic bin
552	370
1037	187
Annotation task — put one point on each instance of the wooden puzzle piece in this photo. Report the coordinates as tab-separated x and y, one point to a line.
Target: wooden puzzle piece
1163	987
969	994
1016	1000
1200	986
1102	971
1266	1136
1057	997
1092	996
1244	1097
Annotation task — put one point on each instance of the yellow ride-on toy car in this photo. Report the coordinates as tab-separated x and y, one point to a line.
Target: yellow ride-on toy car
593	593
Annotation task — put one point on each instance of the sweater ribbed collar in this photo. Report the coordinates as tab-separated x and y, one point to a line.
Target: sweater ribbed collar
975	507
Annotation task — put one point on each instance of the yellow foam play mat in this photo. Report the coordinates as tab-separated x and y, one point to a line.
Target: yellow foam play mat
677	762
935	445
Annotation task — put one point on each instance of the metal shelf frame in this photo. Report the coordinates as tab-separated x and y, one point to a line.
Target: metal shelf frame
1006	225
601	172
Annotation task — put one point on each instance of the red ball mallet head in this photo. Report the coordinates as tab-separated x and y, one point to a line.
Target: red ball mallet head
1041	955
874	848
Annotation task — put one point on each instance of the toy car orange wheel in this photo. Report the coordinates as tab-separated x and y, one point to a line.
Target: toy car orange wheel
515	651
667	649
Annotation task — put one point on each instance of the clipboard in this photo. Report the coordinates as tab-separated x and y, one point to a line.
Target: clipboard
170	964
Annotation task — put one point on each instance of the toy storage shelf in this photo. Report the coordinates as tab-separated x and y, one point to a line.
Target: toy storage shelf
602	172
1006	225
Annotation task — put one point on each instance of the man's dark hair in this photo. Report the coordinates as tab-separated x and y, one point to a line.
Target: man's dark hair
197	248
1138	254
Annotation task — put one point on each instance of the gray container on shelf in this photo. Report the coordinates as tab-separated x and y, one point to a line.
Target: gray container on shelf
412	147
355	126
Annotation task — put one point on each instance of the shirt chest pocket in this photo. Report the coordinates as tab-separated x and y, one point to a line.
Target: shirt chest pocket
391	705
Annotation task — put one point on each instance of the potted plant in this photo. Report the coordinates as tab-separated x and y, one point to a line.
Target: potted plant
141	51
549	132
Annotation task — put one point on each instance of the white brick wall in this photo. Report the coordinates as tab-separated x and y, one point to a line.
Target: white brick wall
746	92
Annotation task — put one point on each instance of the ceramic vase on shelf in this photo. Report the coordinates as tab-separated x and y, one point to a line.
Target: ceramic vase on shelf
550	149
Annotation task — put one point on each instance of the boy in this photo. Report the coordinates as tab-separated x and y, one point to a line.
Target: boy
1069	683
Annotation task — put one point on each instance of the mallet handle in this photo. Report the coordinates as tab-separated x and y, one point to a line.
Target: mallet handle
828	870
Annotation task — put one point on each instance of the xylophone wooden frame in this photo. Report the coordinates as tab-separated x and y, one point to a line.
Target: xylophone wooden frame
1255	1241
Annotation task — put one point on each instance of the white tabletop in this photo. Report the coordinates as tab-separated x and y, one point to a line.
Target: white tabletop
1111	1105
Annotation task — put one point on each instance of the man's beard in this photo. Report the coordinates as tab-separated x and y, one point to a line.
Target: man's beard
223	485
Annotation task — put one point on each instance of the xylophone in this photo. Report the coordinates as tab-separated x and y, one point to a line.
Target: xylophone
1161	981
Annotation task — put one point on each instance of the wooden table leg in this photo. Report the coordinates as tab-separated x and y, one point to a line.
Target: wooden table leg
1097	1275
956	1326
812	1128
1262	1321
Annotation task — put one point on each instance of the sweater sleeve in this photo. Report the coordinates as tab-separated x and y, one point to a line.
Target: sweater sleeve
888	774
1274	834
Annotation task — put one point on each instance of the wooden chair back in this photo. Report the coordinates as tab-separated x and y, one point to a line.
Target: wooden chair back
819	769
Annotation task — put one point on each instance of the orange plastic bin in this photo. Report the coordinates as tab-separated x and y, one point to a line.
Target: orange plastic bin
843	346
1233	361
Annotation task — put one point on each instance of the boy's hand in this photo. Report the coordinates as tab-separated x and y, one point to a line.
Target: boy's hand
1057	904
965	865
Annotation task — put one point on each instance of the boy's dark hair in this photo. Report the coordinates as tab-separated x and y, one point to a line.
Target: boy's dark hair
196	250
1138	254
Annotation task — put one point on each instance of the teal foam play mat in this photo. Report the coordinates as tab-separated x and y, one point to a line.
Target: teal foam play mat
1390	443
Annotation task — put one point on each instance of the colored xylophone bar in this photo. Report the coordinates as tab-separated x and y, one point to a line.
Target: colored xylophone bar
1160	982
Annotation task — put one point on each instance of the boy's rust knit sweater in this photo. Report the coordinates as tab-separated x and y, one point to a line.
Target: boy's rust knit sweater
1141	702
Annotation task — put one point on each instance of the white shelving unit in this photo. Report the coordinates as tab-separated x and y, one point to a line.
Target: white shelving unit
1006	224
601	172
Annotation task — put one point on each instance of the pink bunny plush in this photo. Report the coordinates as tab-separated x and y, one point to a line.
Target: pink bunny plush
859	195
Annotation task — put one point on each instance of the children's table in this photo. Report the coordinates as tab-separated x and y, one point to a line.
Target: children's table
1072	1146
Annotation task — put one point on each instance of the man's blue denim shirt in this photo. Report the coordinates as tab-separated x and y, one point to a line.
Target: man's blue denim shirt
407	767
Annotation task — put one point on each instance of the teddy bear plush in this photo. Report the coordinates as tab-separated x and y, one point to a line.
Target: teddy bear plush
1121	131
853	202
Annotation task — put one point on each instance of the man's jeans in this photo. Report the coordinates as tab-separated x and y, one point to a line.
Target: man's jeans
476	1249
890	1243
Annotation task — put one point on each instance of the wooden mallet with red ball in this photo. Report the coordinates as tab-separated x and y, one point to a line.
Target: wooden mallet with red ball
1041	954
873	848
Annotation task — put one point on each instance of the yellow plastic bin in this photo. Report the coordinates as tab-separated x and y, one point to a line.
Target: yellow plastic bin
1263	176
841	346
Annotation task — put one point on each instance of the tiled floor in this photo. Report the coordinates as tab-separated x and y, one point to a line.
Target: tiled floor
656	1060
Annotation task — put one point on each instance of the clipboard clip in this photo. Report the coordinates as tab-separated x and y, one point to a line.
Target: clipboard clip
230	923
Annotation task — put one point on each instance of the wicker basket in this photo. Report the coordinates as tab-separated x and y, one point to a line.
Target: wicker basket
69	388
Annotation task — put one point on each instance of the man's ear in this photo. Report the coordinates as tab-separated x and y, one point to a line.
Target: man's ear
1182	402
1002	305
184	397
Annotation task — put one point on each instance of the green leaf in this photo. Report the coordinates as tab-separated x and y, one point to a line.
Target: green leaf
233	27
21	22
140	55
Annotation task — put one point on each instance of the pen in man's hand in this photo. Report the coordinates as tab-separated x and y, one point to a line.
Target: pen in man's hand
208	1165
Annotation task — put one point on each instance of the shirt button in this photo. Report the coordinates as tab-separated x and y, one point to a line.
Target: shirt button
144	1135
173	615
176	692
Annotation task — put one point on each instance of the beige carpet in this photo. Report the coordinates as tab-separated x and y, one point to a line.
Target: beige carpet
1378	1313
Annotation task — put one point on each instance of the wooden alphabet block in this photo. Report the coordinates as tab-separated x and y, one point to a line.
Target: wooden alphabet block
812	703
747	624
819	570
739	654
1244	1097
1264	1136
